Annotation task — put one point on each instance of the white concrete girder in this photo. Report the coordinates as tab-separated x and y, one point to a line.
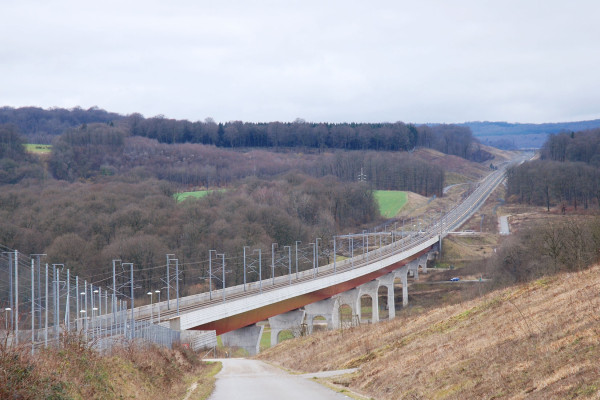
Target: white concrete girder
291	320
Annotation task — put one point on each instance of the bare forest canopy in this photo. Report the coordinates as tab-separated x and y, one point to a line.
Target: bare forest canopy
568	173
105	192
86	225
40	126
511	136
100	150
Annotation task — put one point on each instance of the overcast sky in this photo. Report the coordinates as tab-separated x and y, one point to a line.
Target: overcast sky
335	61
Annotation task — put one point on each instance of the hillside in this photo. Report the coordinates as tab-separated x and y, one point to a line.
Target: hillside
520	136
453	164
75	371
537	340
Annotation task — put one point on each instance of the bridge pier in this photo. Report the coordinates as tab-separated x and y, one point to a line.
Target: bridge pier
370	289
291	320
350	298
247	338
327	308
403	274
413	266
388	282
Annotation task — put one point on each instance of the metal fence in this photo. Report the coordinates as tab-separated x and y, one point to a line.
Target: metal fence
42	304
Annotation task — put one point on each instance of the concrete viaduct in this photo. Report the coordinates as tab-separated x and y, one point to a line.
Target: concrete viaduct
288	301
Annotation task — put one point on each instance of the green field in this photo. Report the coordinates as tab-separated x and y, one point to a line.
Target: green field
196	195
390	201
38	148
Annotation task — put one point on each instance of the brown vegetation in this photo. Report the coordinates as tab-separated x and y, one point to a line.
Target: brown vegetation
77	372
535	340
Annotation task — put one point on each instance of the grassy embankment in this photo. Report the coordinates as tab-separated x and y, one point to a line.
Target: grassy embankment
534	340
390	201
77	372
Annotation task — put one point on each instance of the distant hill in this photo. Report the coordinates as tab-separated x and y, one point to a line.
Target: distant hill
505	135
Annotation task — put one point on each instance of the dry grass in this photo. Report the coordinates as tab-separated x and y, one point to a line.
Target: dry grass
77	372
452	163
539	340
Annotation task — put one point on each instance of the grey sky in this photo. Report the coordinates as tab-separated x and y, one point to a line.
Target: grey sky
336	61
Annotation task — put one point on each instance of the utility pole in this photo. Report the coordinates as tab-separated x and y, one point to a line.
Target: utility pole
16	325
334	255
314	270
351	240
317	254
168	282
177	283
273	245
133	301
297	241
39	288
223	267
362	177
46	311
259	268
210	273
289	262
245	268
32	305
114	291
67	303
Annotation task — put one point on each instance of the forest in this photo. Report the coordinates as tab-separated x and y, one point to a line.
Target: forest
567	173
101	150
103	195
41	126
107	189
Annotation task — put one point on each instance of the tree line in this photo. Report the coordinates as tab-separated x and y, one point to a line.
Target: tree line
566	243
581	146
398	136
568	173
101	150
39	126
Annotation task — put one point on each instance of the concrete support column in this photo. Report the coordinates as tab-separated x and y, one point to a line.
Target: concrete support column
388	282
351	298
402	273
327	308
371	289
423	261
413	267
247	338
291	320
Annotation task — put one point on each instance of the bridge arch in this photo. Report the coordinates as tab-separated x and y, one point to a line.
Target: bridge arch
368	311
287	334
